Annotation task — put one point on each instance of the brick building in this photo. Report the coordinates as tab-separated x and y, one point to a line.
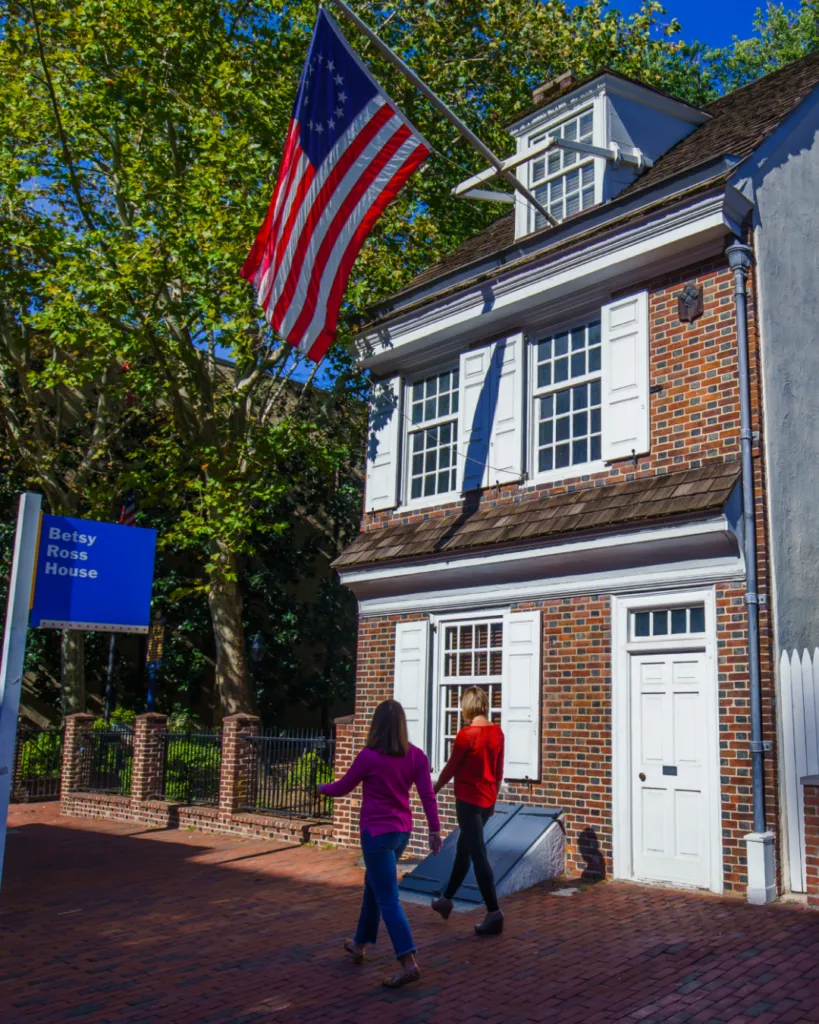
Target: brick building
589	464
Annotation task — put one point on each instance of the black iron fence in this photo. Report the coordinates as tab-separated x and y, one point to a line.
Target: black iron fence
284	774
107	760
191	765
37	765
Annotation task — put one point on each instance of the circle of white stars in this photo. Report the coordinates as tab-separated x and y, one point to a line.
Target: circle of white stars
319	63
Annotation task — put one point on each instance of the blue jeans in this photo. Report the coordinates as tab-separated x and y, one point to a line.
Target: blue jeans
381	855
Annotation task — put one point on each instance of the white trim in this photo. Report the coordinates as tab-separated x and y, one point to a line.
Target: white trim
535	284
622	648
661	578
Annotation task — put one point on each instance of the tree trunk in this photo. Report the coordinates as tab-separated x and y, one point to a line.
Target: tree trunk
225	600
72	659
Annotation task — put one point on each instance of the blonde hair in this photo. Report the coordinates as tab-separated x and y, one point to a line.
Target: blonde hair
474	702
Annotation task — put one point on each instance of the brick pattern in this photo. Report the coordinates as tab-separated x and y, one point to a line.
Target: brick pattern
149	730
71	770
345	809
811	791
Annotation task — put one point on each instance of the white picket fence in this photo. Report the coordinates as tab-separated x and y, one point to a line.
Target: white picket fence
799	696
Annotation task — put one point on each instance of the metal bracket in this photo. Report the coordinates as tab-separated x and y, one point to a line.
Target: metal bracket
761	746
758	599
749	435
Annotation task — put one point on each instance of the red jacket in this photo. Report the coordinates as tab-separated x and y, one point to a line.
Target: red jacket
476	763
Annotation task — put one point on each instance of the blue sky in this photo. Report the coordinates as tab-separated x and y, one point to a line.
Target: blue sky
711	21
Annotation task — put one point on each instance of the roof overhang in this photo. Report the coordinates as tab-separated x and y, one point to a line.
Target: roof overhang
598	260
616	561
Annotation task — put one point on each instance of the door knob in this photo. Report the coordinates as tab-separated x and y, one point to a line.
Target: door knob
642	776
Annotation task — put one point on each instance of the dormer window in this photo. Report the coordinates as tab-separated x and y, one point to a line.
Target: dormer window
563	179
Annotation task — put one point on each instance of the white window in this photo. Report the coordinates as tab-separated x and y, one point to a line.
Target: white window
472	656
562	179
433	435
567	399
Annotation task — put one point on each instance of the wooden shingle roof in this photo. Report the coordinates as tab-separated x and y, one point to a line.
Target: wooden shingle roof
526	519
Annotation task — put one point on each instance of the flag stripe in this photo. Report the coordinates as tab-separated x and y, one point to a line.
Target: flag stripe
315	201
351	172
319	336
347	217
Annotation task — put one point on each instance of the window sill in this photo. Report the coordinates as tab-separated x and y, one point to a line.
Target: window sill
570	475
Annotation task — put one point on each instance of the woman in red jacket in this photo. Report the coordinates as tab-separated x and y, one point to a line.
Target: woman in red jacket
476	764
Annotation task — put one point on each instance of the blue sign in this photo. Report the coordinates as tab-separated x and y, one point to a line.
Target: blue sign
93	576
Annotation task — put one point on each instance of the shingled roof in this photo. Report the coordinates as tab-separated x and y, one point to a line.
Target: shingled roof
739	123
525	520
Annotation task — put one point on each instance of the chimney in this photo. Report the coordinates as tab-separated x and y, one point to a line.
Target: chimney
554	87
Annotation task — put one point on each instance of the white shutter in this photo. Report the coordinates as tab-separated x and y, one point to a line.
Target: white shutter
520	696
490	424
625	377
506	435
411	676
473	418
383	444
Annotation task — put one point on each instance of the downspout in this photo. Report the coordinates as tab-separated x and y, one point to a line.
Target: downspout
761	882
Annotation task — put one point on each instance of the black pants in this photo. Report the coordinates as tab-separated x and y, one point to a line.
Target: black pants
471	820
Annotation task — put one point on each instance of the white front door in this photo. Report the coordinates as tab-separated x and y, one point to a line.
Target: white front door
670	768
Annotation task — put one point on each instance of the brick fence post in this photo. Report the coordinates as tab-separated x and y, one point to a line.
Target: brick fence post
238	762
146	780
344	808
71	771
810	785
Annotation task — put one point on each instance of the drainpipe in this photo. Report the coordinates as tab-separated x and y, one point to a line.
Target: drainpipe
760	843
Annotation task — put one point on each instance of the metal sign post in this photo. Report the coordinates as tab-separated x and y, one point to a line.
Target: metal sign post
153	658
14	646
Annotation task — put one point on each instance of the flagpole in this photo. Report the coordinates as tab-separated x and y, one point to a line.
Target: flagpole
440	106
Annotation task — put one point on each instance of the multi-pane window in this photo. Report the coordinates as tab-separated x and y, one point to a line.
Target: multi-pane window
562	179
669	622
473	656
433	435
567	398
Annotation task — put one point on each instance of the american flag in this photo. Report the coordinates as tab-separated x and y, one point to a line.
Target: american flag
348	152
127	516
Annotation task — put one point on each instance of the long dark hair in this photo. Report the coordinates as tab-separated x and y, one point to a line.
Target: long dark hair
388	730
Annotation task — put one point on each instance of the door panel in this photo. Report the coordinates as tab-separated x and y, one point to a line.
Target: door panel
670	785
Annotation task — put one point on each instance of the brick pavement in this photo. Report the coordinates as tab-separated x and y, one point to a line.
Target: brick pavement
104	921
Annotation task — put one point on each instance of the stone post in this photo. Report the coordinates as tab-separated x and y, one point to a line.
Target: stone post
345	816
239	758
75	726
146	781
810	785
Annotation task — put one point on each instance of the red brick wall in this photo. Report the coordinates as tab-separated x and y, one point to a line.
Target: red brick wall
812	842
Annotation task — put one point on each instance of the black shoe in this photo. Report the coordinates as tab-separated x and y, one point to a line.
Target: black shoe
442	906
492	924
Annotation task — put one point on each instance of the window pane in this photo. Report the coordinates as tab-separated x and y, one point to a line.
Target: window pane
579	452
578	339
660	623
544	375
642	623
588	198
554	161
465	641
481	663
580	394
587	175
415	489
562	432
572	205
496	634
556	189
572	181
586	124
562	344
580	424
538	168
578	364
481	635
570	130
678	620
594	452
594	333
451	638
544	460
443	405
697	620
561	370
595	392
594	359
545	435
562	456
562	404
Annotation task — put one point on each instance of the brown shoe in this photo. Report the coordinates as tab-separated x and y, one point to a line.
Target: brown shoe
442	906
356	954
402	978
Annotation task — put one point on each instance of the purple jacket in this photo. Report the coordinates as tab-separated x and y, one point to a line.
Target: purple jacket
386	783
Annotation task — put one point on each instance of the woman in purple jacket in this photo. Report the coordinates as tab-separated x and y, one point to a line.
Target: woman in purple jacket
387	768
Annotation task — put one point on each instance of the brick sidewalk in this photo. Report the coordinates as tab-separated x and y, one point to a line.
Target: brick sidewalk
104	922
